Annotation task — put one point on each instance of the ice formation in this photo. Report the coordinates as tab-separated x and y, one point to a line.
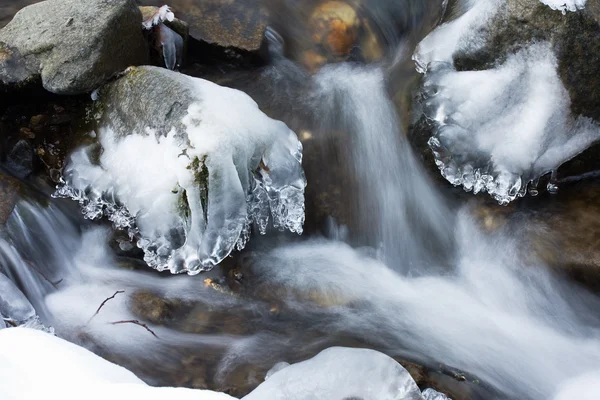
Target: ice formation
188	189
431	394
15	309
340	373
565	5
497	130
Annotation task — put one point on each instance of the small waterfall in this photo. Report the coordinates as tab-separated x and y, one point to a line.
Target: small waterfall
399	209
37	250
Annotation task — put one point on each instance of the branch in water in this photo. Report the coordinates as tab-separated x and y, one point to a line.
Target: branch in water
136	322
104	302
30	265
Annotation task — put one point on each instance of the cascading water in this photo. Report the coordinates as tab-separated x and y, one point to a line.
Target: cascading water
399	209
432	287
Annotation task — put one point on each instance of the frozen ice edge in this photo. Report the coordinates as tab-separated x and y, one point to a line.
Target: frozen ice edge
189	196
521	101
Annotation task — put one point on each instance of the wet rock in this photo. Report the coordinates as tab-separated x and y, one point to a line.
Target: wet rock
236	24
561	231
9	188
20	159
168	39
72	46
335	27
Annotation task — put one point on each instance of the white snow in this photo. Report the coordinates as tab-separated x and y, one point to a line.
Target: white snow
497	130
149	184
565	5
35	364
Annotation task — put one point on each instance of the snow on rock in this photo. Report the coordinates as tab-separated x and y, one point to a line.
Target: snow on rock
340	373
431	394
565	5
186	166
497	130
35	364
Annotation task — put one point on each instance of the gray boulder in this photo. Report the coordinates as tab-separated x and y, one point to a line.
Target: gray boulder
73	46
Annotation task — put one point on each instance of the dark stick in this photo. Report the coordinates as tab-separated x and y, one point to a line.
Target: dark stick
30	264
136	322
104	302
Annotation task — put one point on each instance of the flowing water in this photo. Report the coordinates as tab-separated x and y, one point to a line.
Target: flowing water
418	279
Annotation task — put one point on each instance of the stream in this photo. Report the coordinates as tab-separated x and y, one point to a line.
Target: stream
411	272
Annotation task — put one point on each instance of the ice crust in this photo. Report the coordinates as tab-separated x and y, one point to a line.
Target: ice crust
497	130
189	196
565	5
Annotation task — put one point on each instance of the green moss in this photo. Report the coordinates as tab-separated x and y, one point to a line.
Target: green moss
183	205
200	171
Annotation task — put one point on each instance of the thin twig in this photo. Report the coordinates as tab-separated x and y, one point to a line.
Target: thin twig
136	322
104	302
33	267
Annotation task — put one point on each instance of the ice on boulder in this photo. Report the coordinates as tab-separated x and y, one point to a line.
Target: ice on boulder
565	5
340	373
431	394
15	309
497	130
186	166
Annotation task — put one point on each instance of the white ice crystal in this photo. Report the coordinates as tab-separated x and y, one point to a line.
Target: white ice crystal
497	130
161	15
189	197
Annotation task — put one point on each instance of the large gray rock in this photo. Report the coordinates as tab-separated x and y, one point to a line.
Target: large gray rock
73	46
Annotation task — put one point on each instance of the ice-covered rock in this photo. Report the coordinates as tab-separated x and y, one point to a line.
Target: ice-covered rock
340	373
565	5
73	46
432	394
498	101
186	166
63	370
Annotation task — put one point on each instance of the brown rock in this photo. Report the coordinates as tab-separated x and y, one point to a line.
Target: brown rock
335	26
228	23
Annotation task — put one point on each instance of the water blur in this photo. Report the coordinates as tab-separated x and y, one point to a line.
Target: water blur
389	262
